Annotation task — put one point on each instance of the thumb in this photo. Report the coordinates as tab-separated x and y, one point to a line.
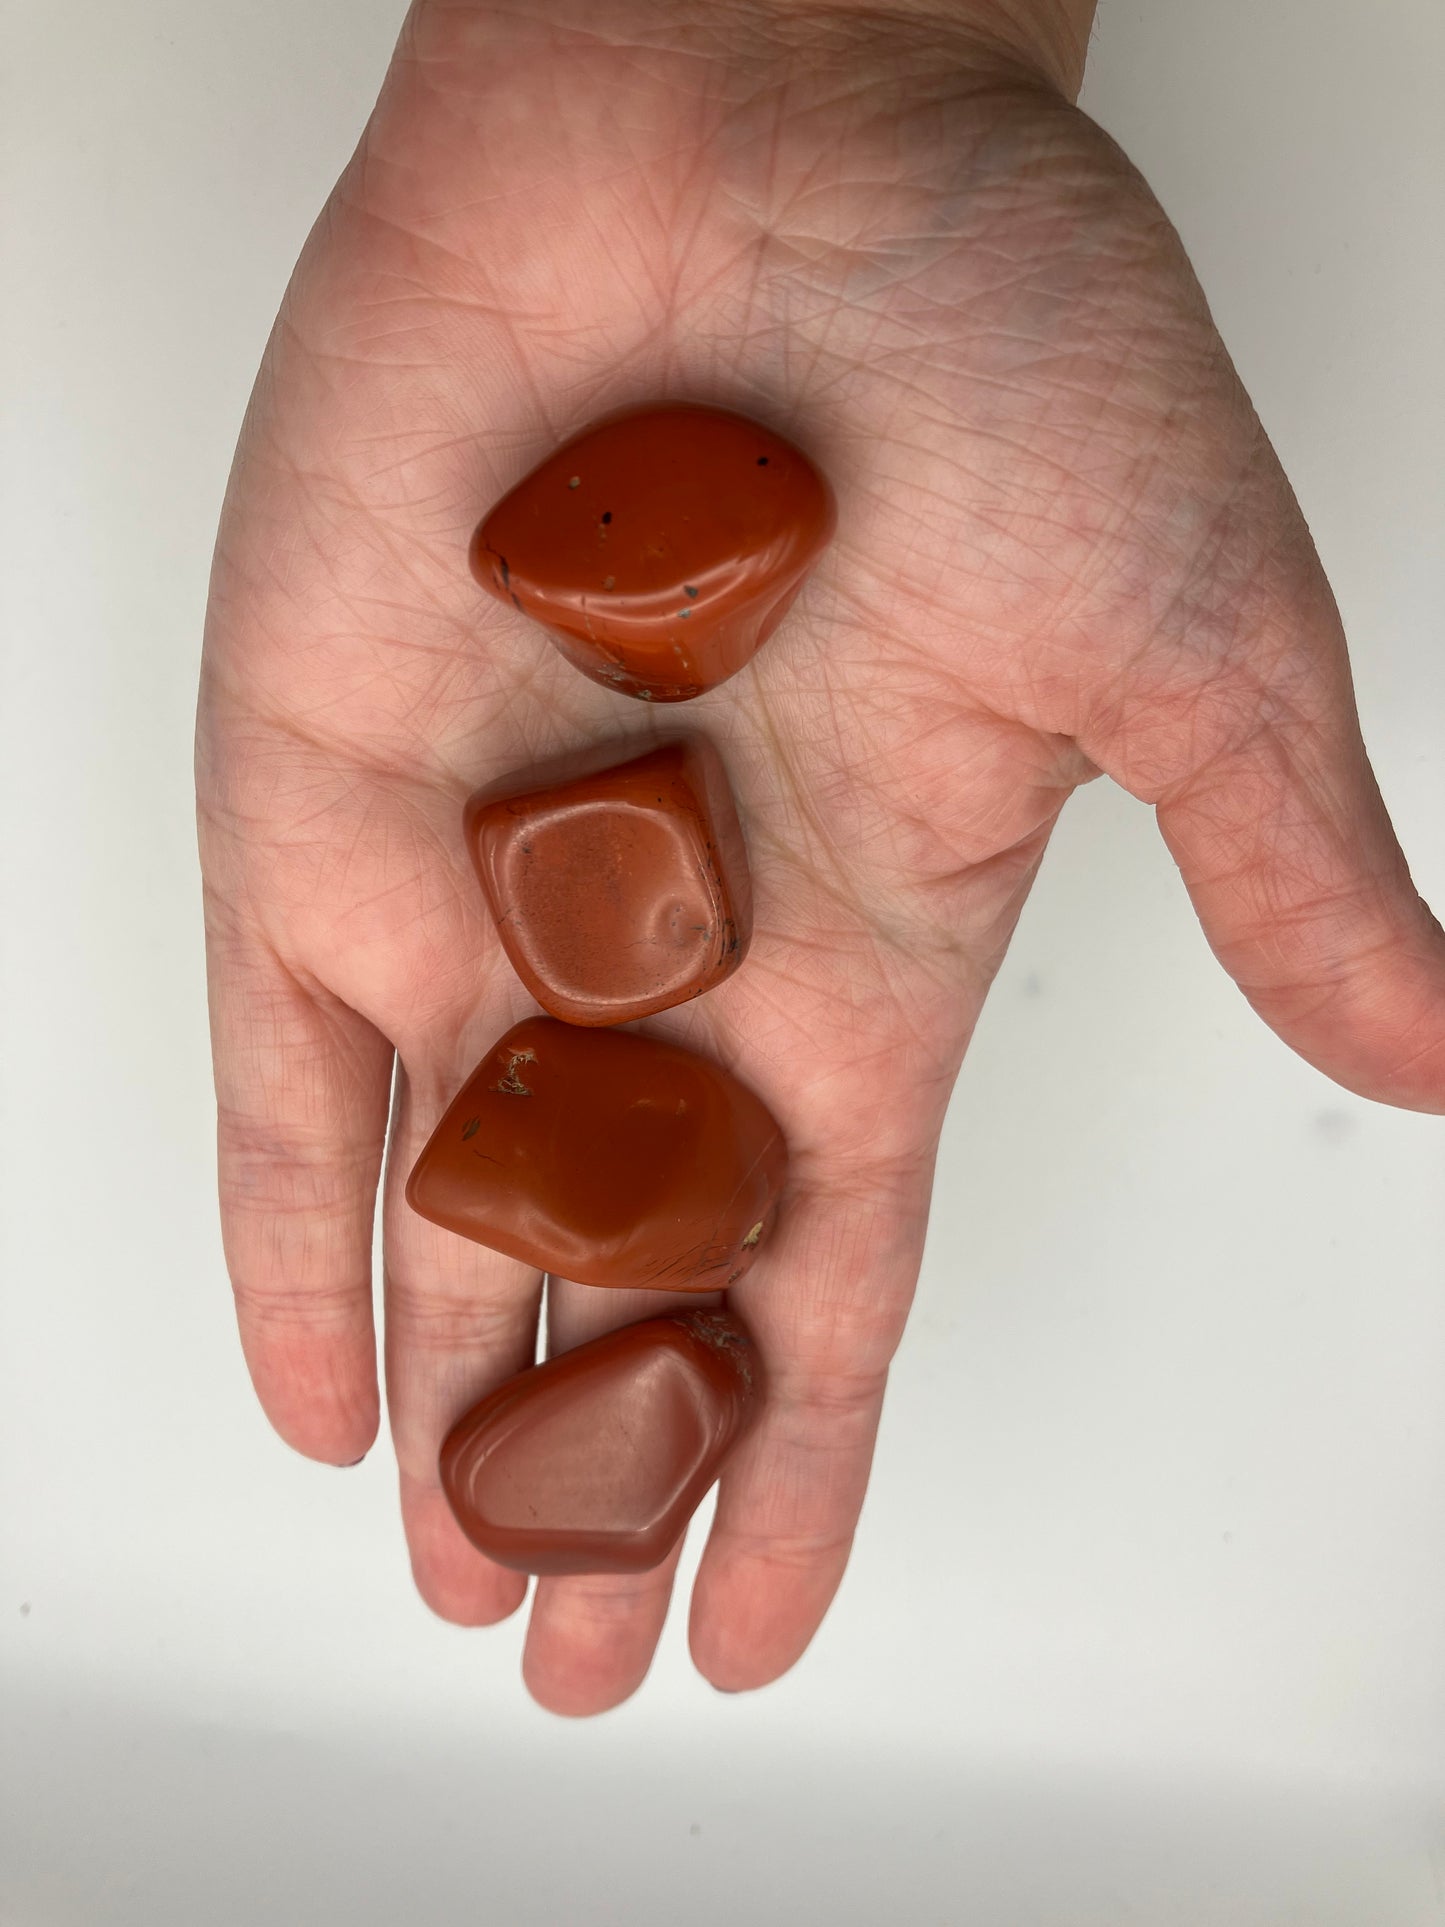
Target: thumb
1290	858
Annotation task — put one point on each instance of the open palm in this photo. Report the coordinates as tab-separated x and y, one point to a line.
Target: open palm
1064	547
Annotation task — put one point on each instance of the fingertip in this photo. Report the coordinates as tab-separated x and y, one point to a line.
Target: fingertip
1304	894
725	1668
322	1401
732	1672
1374	1022
328	1444
455	1581
757	1606
331	1450
577	1693
468	1598
592	1637
739	1644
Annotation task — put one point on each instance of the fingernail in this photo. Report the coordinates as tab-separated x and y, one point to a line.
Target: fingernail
347	1464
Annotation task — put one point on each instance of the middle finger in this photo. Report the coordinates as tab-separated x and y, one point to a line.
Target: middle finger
592	1635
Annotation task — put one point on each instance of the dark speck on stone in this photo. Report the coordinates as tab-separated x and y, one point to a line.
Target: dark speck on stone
606	515
762	461
688	589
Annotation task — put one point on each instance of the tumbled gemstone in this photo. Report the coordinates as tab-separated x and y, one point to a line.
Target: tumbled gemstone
618	887
595	1461
605	1157
661	546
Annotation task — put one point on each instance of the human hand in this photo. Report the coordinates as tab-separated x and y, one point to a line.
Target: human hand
1064	547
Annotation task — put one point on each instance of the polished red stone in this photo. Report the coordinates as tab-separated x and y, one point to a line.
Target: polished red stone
595	1461
605	1157
661	546
618	887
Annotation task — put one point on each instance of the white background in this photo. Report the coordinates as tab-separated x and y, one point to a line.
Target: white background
1147	1618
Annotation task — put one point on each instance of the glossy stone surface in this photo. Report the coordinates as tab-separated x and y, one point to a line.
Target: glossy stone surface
595	1461
661	546
618	887
605	1157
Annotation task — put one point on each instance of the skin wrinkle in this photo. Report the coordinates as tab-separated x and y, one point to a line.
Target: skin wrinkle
263	1158
992	836
431	1324
1122	509
280	994
981	856
316	1311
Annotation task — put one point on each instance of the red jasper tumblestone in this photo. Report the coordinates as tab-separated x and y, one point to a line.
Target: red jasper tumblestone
618	887
595	1461
605	1157
660	546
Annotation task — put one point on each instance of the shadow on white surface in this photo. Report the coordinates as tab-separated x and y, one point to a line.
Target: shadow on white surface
114	1815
